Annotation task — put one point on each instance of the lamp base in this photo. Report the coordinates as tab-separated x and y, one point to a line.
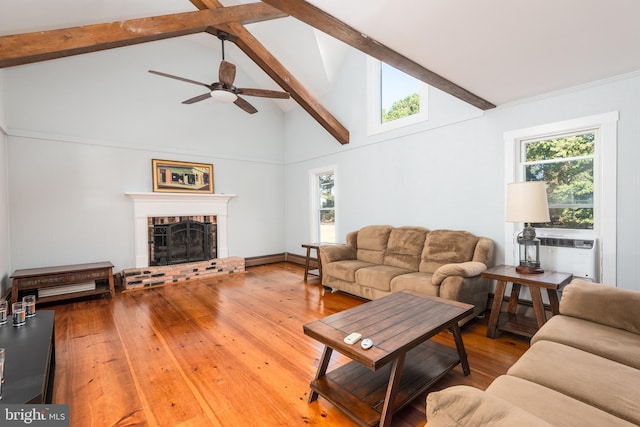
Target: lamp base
528	270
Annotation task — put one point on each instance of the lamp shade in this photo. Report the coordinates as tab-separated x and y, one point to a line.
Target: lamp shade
527	202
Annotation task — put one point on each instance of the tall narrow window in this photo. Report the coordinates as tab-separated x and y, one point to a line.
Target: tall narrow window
323	205
395	98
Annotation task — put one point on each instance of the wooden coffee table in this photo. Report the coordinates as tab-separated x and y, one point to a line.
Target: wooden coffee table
402	363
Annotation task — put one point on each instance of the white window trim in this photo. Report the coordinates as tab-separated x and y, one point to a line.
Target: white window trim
605	201
374	97
314	198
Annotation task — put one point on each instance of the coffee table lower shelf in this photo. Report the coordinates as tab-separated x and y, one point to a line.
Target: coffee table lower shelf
360	392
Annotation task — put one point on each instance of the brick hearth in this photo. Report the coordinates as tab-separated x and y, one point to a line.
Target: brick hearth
139	278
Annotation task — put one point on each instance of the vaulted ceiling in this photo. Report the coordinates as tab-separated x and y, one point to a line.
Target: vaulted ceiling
485	53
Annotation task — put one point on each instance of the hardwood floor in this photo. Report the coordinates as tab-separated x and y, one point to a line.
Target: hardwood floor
224	351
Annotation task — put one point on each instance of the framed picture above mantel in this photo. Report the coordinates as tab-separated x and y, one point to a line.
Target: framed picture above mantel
171	176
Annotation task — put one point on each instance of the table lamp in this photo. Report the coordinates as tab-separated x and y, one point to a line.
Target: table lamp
527	203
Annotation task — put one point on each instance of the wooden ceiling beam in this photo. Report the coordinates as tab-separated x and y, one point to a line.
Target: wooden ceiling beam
278	72
317	18
26	48
270	65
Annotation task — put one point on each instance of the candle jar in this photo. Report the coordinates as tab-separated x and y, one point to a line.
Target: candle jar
18	313
29	304
4	312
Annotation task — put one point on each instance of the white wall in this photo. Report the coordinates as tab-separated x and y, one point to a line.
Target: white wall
5	250
451	176
83	131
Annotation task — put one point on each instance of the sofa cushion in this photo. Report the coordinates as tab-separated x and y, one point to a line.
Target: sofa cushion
470	407
607	385
352	239
584	300
379	276
446	246
405	246
420	282
484	251
344	270
553	407
372	243
612	343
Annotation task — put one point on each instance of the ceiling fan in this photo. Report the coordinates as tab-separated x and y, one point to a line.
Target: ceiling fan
224	90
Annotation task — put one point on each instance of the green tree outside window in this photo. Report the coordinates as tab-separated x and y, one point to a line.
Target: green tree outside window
402	108
566	164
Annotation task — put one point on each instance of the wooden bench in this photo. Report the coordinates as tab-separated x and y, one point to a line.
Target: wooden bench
50	277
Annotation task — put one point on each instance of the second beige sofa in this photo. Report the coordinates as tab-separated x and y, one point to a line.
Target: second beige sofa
581	370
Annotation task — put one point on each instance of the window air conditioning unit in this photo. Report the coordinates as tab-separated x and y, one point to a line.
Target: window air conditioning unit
578	256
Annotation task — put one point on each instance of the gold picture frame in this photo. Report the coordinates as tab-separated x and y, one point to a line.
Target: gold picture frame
171	176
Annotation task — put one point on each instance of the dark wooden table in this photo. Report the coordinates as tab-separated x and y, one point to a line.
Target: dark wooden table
402	363
552	281
32	279
307	262
30	359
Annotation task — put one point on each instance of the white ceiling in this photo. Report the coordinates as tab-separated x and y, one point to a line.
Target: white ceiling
500	50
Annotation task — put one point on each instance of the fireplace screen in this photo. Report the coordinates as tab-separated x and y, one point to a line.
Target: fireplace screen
177	240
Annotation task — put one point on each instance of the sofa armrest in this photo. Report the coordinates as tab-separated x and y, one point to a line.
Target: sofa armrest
602	304
331	253
462	269
468	406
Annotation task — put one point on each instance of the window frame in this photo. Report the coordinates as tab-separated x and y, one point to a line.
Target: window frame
605	183
523	163
374	104
314	200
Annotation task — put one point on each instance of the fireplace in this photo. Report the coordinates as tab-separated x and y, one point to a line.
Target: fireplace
186	217
146	205
182	239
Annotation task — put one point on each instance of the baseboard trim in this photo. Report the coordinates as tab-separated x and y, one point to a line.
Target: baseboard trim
282	257
264	260
301	260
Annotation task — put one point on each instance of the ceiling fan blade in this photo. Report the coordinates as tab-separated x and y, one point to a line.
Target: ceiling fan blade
263	93
197	98
227	73
180	78
245	106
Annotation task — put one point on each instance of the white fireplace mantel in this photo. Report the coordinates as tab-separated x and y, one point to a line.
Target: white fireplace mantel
179	204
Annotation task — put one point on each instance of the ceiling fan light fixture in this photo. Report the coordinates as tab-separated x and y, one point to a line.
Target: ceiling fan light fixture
224	96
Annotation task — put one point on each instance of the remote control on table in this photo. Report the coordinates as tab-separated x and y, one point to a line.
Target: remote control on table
352	338
366	344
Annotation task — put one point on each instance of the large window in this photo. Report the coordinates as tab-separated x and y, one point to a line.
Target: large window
395	98
577	160
566	164
323	205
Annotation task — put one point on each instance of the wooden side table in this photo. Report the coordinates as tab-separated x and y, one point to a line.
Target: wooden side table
307	262
550	280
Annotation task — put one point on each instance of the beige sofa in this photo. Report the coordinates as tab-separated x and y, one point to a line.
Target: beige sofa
582	369
379	259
